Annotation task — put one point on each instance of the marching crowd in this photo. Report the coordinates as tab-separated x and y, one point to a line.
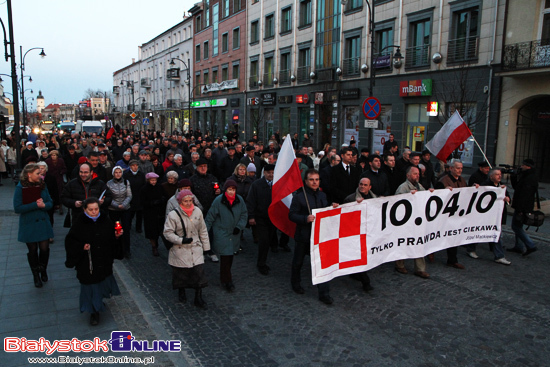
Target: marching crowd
197	194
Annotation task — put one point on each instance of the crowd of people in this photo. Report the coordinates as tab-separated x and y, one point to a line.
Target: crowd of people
197	195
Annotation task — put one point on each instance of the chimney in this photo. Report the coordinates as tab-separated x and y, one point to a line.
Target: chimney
133	60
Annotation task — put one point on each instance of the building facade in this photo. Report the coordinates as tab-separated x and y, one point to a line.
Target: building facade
155	88
524	105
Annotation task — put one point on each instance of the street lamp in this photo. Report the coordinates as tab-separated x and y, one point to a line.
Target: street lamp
42	55
188	82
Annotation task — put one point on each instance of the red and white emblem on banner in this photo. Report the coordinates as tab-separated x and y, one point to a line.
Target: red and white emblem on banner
339	242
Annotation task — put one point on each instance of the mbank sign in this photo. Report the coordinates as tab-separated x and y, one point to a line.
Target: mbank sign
412	88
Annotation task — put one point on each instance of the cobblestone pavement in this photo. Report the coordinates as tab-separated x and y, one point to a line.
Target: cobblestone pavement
486	315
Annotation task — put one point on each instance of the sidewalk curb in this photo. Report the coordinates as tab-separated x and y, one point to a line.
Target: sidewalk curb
178	359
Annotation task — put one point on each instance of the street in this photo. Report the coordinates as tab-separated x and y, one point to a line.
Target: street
486	315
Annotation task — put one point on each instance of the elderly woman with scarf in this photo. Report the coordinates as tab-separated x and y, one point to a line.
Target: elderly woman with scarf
91	246
227	217
186	230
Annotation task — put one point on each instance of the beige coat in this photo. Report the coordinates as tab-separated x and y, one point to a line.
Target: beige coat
189	255
2	159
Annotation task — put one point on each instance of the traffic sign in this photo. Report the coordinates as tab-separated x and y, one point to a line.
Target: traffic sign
133	121
146	121
305	98
133	115
372	108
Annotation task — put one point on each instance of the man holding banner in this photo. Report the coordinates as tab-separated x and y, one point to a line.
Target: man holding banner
305	200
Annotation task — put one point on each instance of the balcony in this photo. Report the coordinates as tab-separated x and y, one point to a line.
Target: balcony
527	55
463	49
352	66
145	83
253	82
303	74
284	77
326	75
268	79
417	56
172	103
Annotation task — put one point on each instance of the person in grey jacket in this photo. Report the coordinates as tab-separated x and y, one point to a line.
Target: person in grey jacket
118	209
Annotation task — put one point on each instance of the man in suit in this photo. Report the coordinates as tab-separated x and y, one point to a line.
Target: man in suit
344	177
250	157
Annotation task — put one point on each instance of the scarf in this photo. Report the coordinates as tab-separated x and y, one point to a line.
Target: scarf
92	218
188	211
231	199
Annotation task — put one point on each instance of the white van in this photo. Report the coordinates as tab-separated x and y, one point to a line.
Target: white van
92	127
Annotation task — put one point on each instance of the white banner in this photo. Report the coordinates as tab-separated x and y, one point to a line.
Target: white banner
357	237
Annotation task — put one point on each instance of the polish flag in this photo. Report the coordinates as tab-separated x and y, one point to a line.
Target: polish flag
111	130
286	180
452	134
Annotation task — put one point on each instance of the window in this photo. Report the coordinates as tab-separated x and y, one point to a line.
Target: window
205	76
327	52
464	35
206	13
215	74
255	31
268	70
225	46
254	73
197	53
236	71
352	58
225	72
304	65
225	8
206	50
305	13
284	68
418	50
236	38
269	26
198	25
286	20
354	4
236	5
215	30
198	78
383	37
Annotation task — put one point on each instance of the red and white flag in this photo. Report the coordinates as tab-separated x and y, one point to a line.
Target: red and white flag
111	130
452	134
286	180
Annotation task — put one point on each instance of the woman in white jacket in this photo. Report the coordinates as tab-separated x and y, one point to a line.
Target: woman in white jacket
186	230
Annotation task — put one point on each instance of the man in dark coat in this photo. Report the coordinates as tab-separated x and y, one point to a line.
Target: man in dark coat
84	186
179	167
344	177
228	164
395	177
29	152
300	214
137	182
324	174
526	185
250	157
481	175
378	180
428	178
204	185
71	161
257	204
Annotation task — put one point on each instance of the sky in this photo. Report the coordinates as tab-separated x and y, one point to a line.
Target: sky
85	41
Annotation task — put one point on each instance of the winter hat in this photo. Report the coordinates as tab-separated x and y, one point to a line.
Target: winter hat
82	160
151	175
228	184
115	168
182	194
251	168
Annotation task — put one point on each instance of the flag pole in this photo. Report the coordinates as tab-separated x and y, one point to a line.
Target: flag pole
307	201
482	152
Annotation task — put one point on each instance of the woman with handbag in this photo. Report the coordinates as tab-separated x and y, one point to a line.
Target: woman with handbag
118	209
186	230
32	200
92	244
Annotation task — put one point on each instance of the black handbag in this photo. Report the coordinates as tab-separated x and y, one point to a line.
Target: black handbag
535	218
67	222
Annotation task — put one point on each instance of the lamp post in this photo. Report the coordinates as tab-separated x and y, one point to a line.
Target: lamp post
135	100
42	55
188	82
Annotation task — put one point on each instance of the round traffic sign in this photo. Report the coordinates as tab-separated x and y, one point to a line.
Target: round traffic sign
372	108
305	98
133	121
